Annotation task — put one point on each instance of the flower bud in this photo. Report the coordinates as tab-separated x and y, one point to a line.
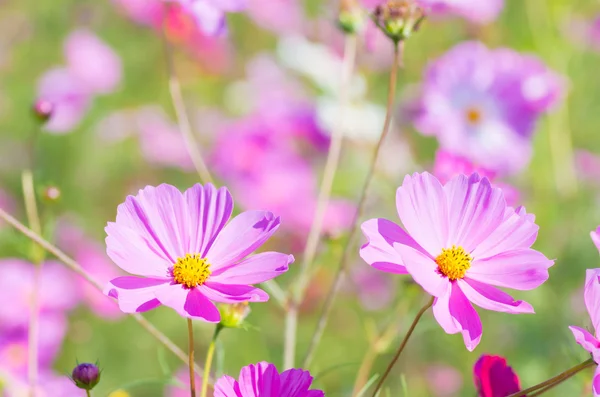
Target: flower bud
43	109
86	376
398	19
233	316
351	19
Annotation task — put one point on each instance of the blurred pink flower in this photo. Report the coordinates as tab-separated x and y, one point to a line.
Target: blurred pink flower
183	390
461	242
263	379
480	12
49	385
69	97
375	290
484	104
187	254
57	293
92	68
588	166
280	16
590	342
93	63
209	15
161	141
145	12
14	344
596	237
494	378
443	380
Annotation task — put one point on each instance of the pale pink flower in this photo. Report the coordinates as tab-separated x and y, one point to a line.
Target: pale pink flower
183	390
444	380
187	255
460	242
596	237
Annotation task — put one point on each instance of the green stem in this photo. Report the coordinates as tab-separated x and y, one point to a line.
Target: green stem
191	359
209	359
555	380
403	345
88	393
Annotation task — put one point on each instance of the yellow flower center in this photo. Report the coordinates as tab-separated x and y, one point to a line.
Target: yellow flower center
454	262
191	271
473	115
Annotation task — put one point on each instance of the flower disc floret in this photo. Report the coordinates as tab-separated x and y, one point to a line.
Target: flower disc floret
191	270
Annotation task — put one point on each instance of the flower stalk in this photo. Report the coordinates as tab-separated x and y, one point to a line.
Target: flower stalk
209	359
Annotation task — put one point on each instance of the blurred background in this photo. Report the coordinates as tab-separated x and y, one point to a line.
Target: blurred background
263	100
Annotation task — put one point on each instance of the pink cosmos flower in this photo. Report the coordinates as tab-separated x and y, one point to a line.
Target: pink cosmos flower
484	104
49	385
93	63
14	344
144	12
187	255
263	379
480	12
588	166
460	242
375	291
590	342
57	293
494	378
596	237
281	16
210	14
444	380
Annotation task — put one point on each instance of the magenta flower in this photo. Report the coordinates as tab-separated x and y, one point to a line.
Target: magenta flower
494	378
484	104
596	237
590	342
209	15
480	12
460	242
187	254
262	379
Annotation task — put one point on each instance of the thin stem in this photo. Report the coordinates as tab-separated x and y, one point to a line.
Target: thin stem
402	345
76	267
276	292
209	359
88	393
33	333
337	282
557	379
181	113
191	361
314	235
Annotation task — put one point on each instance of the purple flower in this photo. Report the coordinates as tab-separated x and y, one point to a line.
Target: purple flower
494	378
187	255
210	14
460	242
86	376
262	379
484	104
596	237
57	292
590	342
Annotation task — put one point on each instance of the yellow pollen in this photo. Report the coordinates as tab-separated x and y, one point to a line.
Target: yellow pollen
454	262
474	115
191	271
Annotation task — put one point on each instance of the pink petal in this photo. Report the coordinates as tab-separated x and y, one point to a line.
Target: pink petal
523	269
455	314
475	210
517	231
244	234
596	382
159	215
257	380
226	293
592	296
209	210
254	269
422	207
423	270
226	387
94	63
210	19
189	303
134	294
587	341
491	298
133	253
295	382
379	251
